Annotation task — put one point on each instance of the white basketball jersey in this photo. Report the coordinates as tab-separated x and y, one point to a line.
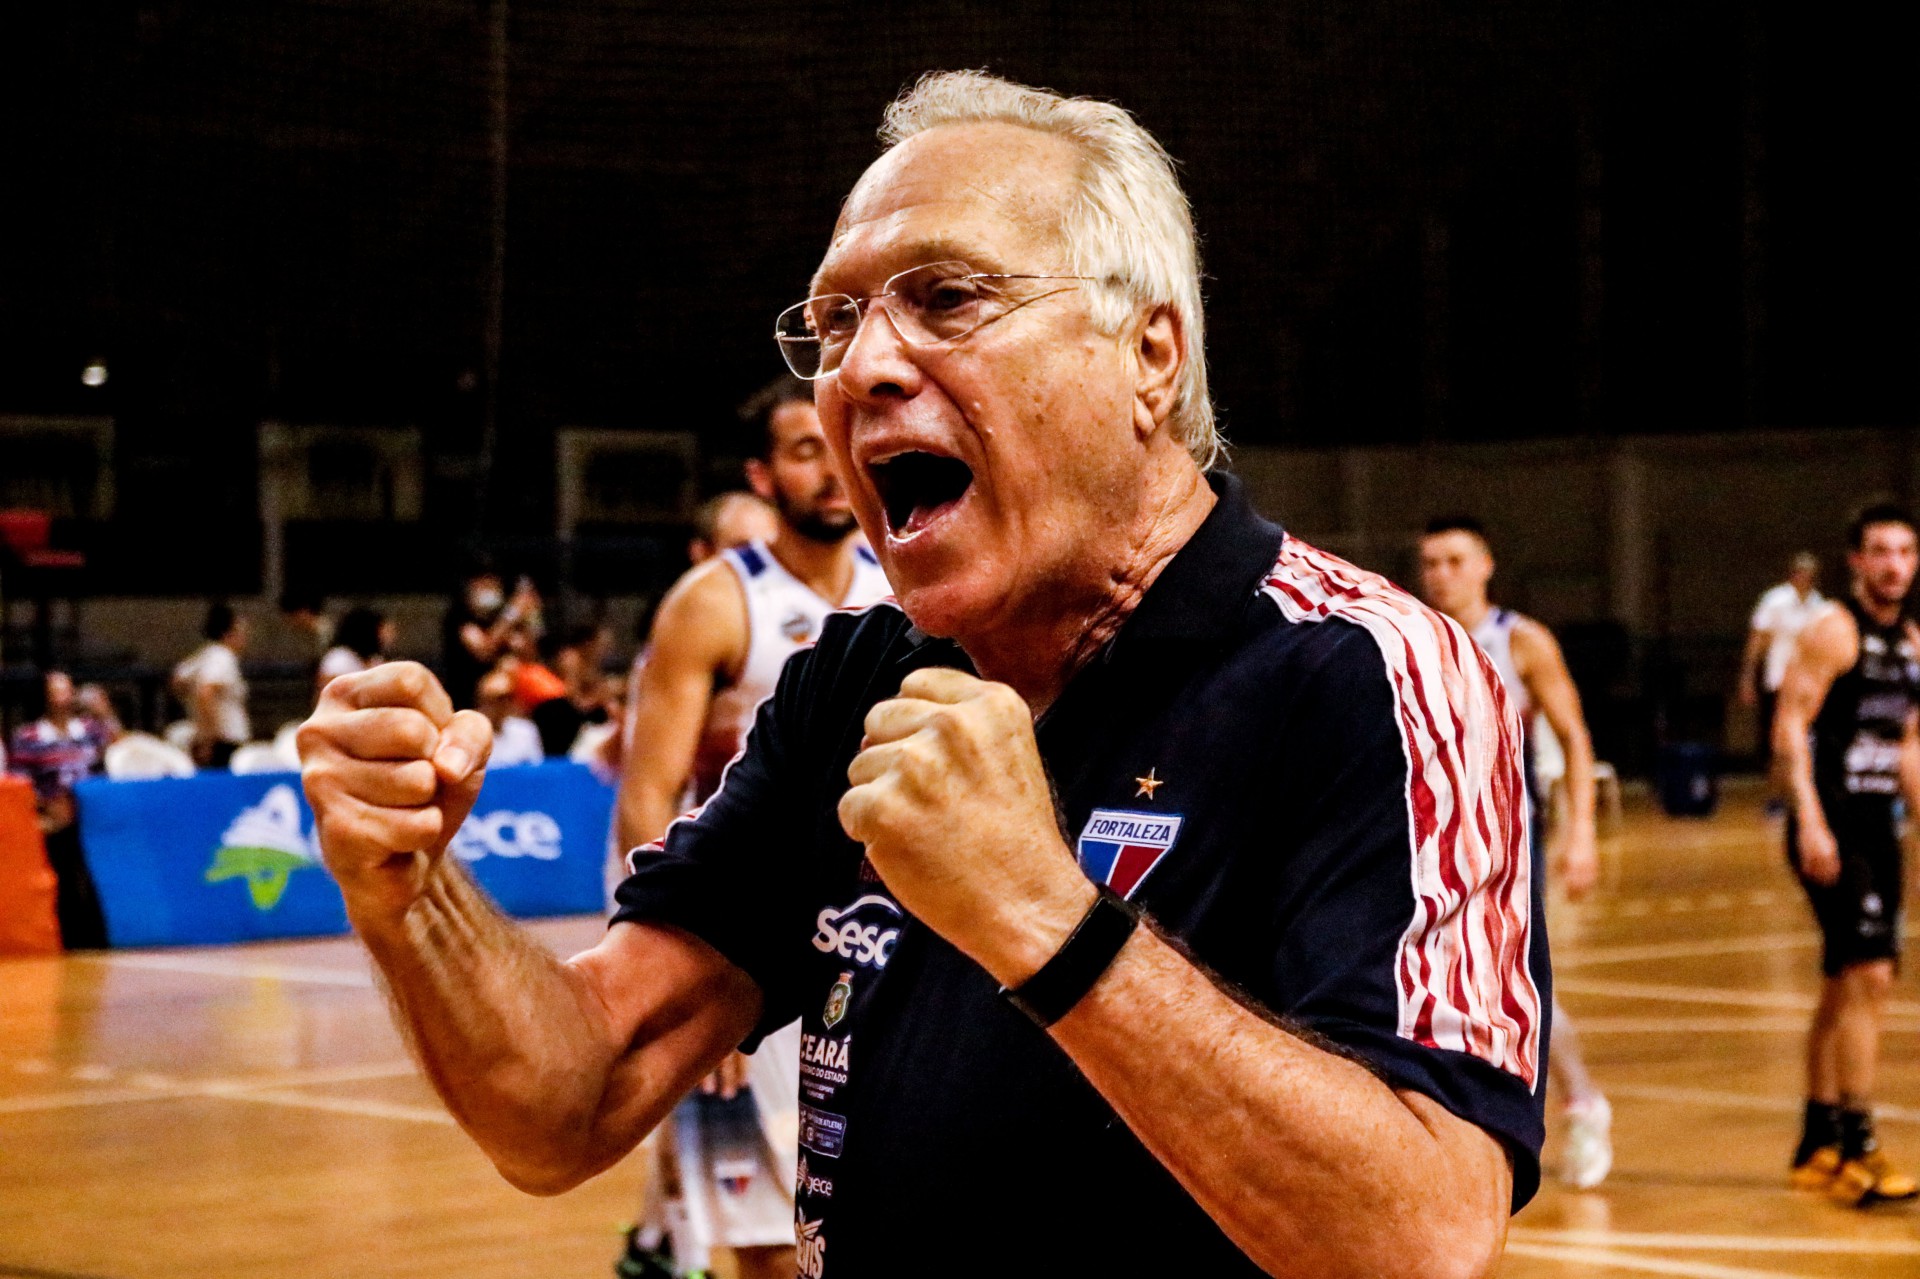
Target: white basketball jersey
1495	636
783	617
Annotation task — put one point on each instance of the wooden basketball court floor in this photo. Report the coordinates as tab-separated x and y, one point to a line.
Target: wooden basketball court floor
247	1111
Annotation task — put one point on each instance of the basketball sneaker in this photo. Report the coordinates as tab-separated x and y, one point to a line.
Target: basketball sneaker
1870	1179
1589	1151
637	1262
1816	1171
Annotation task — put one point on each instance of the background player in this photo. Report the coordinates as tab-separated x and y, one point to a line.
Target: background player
1845	734
1456	563
730	519
722	634
1782	613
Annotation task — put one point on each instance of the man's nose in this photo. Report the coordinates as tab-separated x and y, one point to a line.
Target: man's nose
878	363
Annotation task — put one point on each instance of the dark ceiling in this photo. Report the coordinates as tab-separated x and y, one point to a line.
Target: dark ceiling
1421	221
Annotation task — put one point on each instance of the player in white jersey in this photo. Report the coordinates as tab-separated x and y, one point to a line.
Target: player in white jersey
718	642
1456	564
1782	613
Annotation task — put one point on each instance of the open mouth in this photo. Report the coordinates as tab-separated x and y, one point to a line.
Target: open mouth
917	488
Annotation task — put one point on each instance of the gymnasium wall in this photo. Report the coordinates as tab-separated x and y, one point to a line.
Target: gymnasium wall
1646	553
1670	536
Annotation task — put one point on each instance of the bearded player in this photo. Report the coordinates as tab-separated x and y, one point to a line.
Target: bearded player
1456	563
722	634
1845	734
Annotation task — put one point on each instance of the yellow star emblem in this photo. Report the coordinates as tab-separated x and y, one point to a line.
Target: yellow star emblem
1148	785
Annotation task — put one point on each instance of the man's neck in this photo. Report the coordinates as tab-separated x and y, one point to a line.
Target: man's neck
1473	614
1882	613
1037	656
825	568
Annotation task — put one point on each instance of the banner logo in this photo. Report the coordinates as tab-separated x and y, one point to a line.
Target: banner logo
264	846
503	833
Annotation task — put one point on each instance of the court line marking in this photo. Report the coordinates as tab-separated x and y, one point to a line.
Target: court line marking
1634	1261
1719	1243
1745	1101
341	1106
1583	956
1715	1025
1682	994
215	966
88	1097
163	1088
1683	949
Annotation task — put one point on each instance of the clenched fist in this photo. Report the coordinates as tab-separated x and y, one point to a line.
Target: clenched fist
391	772
953	804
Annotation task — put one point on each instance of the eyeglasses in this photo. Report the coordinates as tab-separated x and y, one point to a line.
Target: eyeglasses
928	305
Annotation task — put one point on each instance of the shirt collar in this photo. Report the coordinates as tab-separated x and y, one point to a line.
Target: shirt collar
1202	593
1203	590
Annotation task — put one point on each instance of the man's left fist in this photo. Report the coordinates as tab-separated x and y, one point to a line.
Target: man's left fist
953	804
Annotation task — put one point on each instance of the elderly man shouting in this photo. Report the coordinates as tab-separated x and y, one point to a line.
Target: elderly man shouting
1152	887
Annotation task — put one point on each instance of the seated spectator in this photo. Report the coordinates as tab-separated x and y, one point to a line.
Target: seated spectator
210	686
96	705
515	739
362	639
303	611
580	696
534	680
60	748
482	625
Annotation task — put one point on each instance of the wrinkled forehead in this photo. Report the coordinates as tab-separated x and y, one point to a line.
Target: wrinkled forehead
991	195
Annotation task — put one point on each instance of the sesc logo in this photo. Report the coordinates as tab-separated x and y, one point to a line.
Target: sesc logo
504	833
844	933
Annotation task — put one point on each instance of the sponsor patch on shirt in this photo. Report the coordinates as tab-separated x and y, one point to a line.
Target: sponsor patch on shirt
822	1131
1118	846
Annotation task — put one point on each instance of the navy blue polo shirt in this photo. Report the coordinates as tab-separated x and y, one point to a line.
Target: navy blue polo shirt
1307	777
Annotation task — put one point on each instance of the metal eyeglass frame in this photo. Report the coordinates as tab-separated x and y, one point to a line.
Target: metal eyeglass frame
793	343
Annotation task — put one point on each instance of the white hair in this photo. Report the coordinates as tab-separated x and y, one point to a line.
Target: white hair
1130	227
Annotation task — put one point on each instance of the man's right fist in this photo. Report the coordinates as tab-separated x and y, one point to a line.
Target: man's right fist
391	771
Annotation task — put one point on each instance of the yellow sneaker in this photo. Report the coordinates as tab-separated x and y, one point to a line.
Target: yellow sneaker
1871	1179
1817	1170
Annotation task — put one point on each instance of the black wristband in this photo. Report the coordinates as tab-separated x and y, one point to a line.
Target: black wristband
1088	951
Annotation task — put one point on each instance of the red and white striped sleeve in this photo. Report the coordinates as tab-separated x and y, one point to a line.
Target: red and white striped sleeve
1462	974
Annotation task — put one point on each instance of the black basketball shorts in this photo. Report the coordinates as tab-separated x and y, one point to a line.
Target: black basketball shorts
1859	913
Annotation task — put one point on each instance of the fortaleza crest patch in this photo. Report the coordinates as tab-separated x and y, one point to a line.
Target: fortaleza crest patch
1119	847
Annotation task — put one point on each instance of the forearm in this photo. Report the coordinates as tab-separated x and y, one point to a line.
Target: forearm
1310	1163
1791	748
509	1036
642	814
1580	785
1750	660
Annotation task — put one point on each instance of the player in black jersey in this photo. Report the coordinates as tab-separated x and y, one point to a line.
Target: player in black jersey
1845	732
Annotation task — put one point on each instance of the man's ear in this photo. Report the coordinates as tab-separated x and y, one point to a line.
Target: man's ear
1159	355
759	480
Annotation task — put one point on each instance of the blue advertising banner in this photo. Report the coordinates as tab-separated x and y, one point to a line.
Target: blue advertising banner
218	858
